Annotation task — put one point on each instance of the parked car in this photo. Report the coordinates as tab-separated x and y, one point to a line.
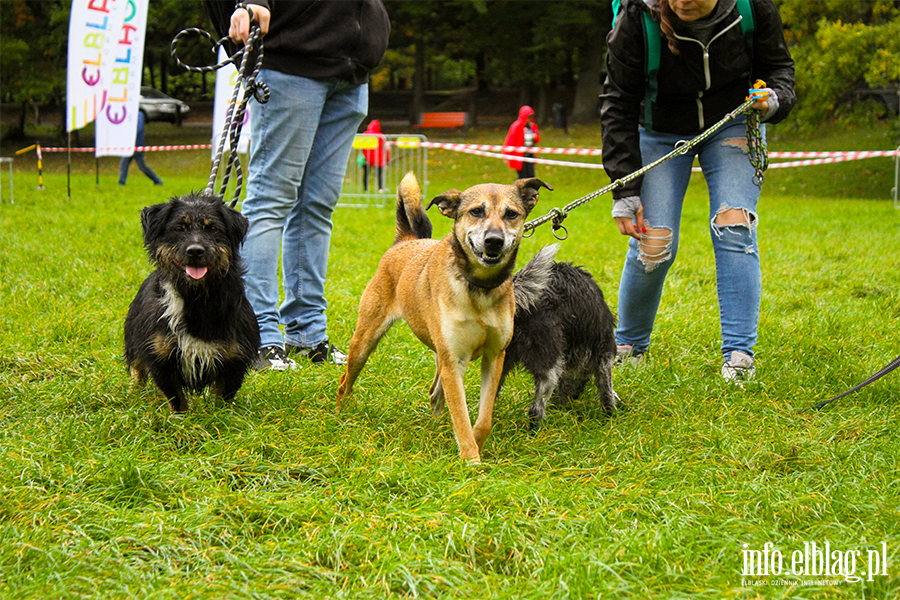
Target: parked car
156	106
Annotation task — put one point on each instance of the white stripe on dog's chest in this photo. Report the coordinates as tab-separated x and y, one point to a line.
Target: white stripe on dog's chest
197	356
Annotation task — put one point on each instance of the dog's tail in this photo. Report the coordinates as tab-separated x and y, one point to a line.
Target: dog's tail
531	281
412	222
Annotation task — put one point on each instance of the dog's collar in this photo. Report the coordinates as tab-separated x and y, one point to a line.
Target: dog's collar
476	284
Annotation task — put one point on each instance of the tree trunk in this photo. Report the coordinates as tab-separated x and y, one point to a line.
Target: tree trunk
418	99
587	90
541	112
481	82
524	94
19	132
163	77
591	72
148	60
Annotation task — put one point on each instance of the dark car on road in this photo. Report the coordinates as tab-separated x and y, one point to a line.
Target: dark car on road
156	106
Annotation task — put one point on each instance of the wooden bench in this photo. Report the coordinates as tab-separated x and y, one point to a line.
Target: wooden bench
434	120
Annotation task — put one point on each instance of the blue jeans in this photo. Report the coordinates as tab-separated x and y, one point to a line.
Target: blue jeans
729	176
138	158
300	141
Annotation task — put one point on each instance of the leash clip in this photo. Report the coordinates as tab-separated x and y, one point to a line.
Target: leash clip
557	219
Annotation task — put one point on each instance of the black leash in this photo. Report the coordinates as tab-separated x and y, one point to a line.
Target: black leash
884	371
234	116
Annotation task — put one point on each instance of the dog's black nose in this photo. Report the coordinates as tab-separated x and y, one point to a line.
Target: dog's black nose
195	250
493	243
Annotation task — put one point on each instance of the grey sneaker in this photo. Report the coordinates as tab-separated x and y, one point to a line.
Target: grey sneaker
274	358
740	368
324	352
627	354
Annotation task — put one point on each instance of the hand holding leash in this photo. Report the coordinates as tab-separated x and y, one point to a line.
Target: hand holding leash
241	19
760	94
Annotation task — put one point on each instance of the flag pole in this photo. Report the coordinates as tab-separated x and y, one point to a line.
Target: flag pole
69	164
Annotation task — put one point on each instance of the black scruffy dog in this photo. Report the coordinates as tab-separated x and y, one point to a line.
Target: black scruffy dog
563	333
190	325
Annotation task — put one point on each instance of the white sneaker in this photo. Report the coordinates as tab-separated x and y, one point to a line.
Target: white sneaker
740	368
626	354
273	358
324	352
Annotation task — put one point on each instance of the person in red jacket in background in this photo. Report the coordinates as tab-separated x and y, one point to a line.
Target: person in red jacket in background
376	157
523	132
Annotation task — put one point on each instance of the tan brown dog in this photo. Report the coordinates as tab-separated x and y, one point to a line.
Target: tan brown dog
456	294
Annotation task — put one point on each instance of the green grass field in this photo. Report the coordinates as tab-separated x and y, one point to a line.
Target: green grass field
105	494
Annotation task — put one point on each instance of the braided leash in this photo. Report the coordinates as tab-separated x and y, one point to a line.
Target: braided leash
234	116
756	147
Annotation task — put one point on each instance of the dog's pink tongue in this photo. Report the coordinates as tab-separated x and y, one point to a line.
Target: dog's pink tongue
195	272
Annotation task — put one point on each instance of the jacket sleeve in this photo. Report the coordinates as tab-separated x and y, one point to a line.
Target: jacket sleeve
623	92
772	60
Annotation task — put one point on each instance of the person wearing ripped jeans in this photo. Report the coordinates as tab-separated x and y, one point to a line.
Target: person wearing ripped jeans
707	63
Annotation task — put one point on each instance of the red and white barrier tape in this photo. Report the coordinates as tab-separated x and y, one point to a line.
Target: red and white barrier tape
507	149
848	154
541	161
137	149
815	158
831	159
494	151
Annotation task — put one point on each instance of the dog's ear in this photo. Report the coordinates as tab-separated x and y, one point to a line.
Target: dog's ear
528	191
447	203
153	221
236	226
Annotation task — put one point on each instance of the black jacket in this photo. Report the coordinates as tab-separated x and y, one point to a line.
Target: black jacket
693	94
318	39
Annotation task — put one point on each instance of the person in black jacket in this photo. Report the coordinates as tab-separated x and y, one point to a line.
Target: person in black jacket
316	62
706	66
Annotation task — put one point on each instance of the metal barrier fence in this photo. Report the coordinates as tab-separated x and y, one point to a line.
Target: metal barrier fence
896	190
378	163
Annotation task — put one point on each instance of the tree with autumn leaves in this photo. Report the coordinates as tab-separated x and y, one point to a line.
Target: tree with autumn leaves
844	49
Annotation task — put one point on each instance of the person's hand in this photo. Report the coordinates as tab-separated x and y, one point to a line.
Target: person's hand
760	99
240	22
629	216
630	227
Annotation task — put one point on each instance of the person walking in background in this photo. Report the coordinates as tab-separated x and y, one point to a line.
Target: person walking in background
708	58
375	157
137	157
316	63
522	133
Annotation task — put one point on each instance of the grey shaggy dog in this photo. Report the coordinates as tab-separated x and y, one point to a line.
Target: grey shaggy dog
563	334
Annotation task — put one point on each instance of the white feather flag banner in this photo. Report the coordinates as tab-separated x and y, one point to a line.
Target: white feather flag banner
117	121
93	27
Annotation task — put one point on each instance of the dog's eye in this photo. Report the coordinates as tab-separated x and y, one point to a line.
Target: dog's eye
180	227
477	212
510	215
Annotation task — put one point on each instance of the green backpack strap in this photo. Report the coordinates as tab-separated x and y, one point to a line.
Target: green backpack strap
652	40
745	9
